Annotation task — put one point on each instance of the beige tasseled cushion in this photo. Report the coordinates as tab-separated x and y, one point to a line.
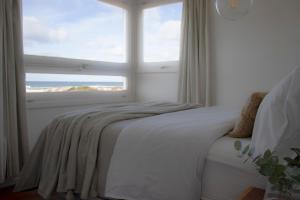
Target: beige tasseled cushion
244	126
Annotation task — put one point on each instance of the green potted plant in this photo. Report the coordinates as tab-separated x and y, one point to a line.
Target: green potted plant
283	173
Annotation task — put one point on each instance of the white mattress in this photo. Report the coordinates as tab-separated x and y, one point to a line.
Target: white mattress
226	175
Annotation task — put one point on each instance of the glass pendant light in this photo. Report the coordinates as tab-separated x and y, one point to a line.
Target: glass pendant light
233	9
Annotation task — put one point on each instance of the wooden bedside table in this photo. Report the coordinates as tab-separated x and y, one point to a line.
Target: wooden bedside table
252	193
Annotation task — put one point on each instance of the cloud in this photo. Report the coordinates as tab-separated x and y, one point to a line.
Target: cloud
98	33
98	38
163	44
161	34
93	37
170	30
95	31
107	48
152	16
35	31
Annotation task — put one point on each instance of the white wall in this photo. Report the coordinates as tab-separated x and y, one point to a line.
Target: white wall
2	140
254	53
251	54
157	86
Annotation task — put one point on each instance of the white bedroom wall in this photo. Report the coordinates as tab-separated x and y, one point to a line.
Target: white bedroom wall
251	54
255	52
157	86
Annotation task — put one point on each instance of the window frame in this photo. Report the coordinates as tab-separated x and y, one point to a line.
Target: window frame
60	65
160	66
144	4
43	64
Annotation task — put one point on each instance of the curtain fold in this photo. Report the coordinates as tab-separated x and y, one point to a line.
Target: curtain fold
194	75
14	142
2	139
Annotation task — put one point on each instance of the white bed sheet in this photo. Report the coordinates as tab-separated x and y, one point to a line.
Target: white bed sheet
226	175
162	157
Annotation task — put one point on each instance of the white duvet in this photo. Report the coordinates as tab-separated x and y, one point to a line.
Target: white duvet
162	157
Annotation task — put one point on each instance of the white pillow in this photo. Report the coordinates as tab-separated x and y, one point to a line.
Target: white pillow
277	123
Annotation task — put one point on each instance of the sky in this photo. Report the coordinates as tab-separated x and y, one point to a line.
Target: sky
92	30
162	33
74	29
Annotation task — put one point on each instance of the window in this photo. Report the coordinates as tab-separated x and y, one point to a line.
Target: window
161	33
81	29
39	83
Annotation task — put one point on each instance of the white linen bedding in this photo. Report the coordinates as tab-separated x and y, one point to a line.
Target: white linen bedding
162	157
277	124
66	156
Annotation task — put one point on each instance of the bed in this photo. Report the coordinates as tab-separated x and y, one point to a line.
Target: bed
159	151
222	164
163	156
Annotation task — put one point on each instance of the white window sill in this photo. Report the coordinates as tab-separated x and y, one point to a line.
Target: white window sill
159	67
57	100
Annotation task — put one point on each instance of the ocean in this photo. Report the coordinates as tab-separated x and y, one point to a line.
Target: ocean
50	84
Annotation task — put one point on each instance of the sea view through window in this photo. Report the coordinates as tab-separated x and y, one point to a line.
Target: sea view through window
38	83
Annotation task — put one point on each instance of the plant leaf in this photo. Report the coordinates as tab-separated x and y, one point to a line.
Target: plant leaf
297	178
246	149
238	145
267	154
256	158
296	150
251	152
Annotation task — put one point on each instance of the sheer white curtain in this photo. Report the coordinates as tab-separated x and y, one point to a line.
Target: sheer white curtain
14	147
194	80
2	139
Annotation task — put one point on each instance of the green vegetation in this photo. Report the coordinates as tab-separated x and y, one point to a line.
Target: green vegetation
82	88
284	175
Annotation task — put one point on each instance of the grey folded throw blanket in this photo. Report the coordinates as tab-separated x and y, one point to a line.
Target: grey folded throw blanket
65	156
